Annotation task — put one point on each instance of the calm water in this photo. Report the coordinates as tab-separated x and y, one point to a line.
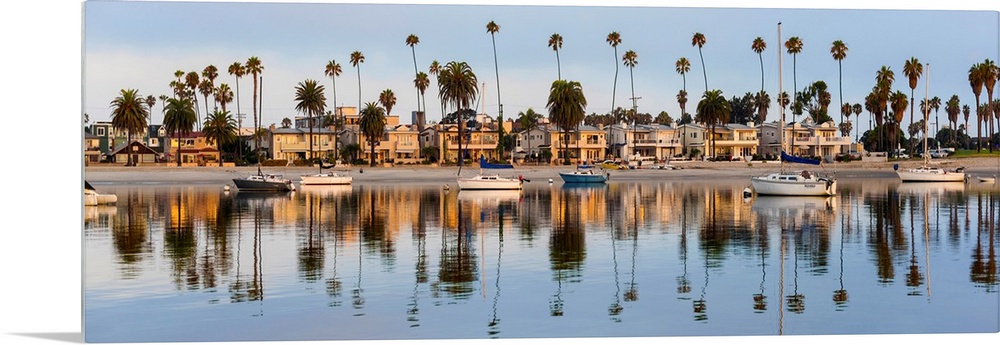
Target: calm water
194	263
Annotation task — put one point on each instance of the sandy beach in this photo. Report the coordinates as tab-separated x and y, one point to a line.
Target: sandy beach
422	174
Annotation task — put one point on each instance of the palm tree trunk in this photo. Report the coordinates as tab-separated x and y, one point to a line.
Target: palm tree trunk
178	158
336	127
979	126
703	72
840	78
239	119
761	57
371	158
359	88
614	86
558	65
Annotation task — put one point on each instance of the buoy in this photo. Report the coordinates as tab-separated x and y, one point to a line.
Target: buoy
225	188
550	180
747	192
446	187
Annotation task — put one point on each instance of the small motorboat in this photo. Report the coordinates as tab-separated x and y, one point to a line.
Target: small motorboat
584	176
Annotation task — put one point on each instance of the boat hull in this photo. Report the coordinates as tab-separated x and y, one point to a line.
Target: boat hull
254	184
932	175
477	183
326	179
768	186
583	178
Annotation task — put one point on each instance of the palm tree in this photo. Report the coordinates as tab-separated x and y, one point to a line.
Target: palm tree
783	101
758	47
150	103
762	102
794	46
528	121
412	41
839	52
614	39
220	129
224	95
178	85
682	98
236	69
129	113
555	42
699	40
899	104
372	125
936	105
255	68
457	85
422	82
333	71
178	119
210	73
434	69
311	101
191	80
493	28
912	69
857	112
845	110
953	108
713	109
356	60
388	100
567	107
205	88
989	80
286	123
965	113
630	59
977	79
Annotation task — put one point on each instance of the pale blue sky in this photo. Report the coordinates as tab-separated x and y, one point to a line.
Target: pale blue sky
140	44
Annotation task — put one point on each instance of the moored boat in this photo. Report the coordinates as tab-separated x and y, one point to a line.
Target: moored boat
931	174
261	182
803	183
489	181
583	176
327	178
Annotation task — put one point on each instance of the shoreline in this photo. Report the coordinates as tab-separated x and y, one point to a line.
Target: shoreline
418	174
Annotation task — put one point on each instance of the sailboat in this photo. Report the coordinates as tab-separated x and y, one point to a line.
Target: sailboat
325	178
792	183
260	181
490	181
927	173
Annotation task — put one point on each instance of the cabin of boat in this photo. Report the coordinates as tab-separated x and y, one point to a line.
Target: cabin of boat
801	183
492	181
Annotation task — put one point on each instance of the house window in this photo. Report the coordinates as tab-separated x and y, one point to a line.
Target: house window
100	131
154	142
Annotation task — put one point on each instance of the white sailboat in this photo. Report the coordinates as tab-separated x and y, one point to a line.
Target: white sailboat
325	178
260	181
792	183
927	173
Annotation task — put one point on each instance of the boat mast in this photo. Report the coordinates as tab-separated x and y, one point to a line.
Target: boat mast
781	122
927	77
260	116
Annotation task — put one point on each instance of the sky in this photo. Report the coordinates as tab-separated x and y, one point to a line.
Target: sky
139	45
49	43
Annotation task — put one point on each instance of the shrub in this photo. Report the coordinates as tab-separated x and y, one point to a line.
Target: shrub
274	162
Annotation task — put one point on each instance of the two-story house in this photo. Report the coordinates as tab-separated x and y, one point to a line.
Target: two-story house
803	138
734	140
195	150
293	143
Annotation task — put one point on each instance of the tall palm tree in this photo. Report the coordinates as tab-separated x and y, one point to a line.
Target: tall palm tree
631	59
357	58
178	119
699	40
224	95
150	103
794	46
163	102
682	66
713	109
312	101
372	125
129	113
255	68
210	73
493	29
989	80
758	47
205	88
220	129
555	42
434	69
953	108
422	82
567	107
936	105
912	69
783	101
839	51
845	111
236	69
614	39
529	121
191	80
178	85
457	85
762	101
977	79
412	41
333	71
965	113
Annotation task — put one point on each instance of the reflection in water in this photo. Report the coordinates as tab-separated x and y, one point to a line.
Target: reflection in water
207	240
